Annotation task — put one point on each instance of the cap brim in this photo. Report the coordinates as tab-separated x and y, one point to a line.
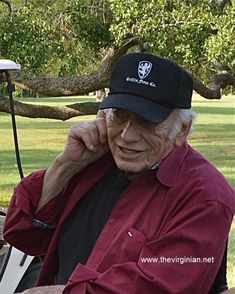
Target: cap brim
141	106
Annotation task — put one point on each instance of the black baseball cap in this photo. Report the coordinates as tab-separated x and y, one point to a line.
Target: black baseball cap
149	86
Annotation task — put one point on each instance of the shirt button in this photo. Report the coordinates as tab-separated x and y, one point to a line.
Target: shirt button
130	234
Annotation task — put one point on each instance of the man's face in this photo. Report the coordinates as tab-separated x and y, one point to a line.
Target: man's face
137	144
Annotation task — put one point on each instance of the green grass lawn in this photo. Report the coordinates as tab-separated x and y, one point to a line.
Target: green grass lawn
41	140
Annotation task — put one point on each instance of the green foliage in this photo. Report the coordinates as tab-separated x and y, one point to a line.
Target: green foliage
25	39
171	28
220	47
69	37
43	41
90	21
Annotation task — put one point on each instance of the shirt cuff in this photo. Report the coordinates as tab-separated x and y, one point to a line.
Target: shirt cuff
39	224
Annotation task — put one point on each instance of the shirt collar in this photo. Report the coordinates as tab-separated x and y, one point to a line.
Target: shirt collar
169	168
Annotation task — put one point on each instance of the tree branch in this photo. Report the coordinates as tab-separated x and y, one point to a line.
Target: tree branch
219	4
68	86
8	3
218	82
204	91
52	112
222	3
222	79
72	86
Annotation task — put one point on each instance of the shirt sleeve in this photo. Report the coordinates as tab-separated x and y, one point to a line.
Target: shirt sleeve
198	233
25	230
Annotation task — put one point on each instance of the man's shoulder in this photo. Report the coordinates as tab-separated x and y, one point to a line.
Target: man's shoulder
207	180
197	165
187	167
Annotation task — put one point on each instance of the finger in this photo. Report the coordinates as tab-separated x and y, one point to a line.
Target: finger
93	131
87	133
102	128
89	142
81	136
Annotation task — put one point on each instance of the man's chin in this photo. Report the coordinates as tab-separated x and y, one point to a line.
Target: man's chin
129	167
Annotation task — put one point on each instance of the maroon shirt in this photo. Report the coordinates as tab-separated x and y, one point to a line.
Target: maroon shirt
182	210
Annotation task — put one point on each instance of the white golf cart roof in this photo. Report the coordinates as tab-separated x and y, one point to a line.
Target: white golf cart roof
6	64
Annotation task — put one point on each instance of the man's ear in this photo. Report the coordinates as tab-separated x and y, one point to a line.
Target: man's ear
183	134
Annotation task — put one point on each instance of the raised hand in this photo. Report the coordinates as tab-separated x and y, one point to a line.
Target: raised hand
86	142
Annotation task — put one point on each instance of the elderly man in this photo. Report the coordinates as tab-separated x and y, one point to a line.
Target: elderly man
128	206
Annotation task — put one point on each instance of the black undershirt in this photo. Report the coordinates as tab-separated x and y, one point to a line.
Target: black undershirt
84	225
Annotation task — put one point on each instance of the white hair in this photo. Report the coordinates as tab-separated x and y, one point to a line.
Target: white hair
184	116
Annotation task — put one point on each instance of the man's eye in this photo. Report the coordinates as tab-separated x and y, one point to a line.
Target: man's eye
119	114
116	113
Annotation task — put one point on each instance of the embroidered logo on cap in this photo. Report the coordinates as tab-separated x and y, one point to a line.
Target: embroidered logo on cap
144	69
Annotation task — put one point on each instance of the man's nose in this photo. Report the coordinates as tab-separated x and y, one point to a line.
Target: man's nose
130	131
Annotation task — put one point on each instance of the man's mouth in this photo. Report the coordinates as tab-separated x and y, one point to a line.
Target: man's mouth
129	150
